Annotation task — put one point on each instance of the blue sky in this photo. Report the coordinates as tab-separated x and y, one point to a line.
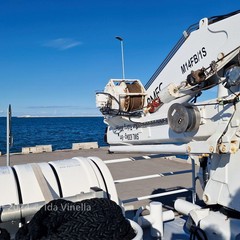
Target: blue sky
55	54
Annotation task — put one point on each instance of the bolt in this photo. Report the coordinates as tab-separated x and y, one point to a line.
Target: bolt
205	198
179	120
233	149
220	56
223	148
211	149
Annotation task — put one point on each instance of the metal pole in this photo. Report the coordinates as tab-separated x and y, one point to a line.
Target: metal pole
9	134
122	53
155	195
159	149
194	194
17	211
166	174
8	160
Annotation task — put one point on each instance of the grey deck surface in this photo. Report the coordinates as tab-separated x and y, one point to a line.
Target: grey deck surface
135	168
123	170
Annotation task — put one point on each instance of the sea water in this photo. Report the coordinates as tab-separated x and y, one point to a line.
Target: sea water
60	132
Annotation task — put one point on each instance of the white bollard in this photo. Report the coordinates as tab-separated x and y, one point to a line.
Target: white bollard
155	219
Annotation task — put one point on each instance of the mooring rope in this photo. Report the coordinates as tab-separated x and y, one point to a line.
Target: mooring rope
4	234
91	219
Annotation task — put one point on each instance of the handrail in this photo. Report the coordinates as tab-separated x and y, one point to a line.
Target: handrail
165	174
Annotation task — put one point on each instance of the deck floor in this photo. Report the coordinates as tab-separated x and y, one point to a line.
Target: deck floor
138	166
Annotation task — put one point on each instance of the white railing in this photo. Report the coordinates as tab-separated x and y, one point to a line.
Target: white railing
158	175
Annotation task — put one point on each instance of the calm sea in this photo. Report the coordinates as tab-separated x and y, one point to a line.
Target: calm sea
59	132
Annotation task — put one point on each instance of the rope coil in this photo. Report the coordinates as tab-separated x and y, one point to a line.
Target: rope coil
90	219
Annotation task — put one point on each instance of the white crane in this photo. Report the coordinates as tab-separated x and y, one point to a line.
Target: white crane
165	117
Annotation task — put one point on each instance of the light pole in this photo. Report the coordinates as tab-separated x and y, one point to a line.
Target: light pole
123	69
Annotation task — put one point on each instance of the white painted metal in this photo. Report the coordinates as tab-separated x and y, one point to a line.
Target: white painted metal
127	133
8	131
42	183
84	173
71	172
118	160
217	226
151	176
16	212
185	207
137	229
105	176
156	195
219	38
154	219
169	93
213	132
164	148
74	178
29	187
219	43
223	187
127	159
8	188
116	94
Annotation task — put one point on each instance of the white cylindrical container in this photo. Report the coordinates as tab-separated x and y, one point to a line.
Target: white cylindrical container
29	188
8	186
26	187
42	182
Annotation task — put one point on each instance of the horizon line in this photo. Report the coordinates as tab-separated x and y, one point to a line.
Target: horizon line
53	116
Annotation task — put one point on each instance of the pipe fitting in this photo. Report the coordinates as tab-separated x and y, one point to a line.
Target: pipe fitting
155	218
